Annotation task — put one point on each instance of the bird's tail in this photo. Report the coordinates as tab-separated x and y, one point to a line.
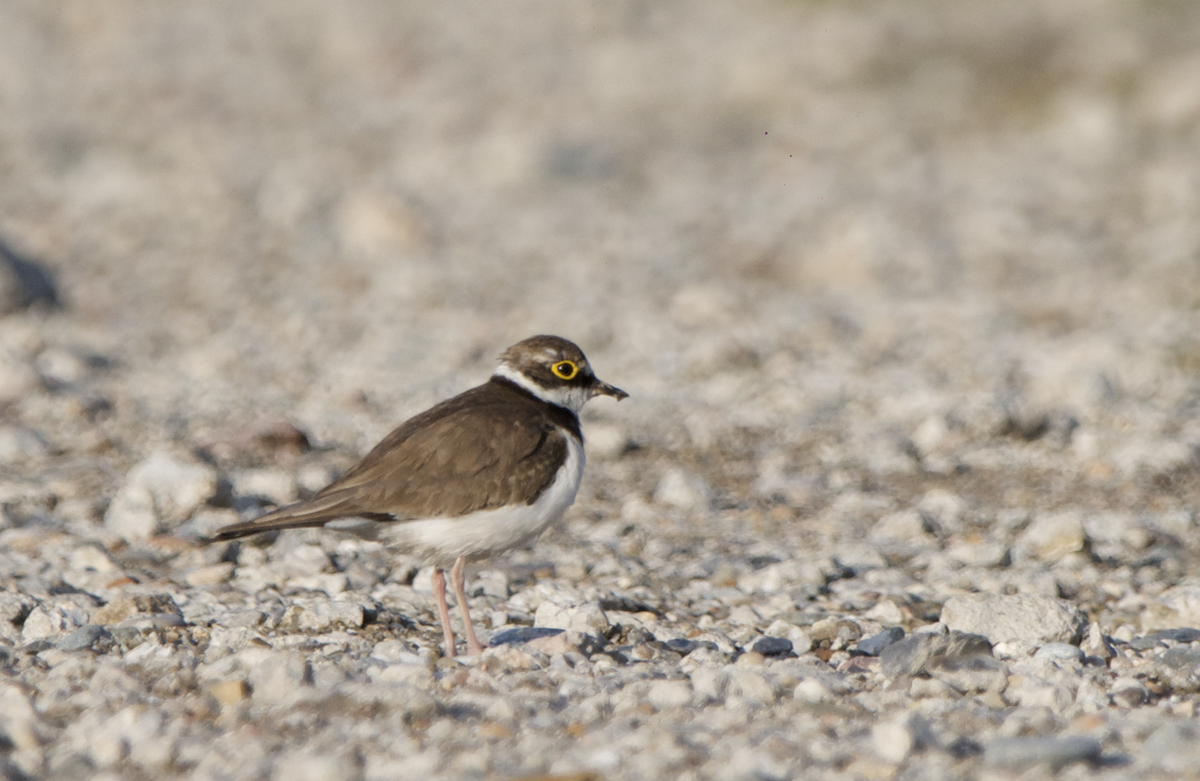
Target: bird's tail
315	512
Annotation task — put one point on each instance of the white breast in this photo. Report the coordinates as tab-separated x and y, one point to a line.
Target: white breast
482	534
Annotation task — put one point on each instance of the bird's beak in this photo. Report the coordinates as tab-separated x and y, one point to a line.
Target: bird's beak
604	389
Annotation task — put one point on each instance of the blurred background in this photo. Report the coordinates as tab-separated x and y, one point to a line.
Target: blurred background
895	239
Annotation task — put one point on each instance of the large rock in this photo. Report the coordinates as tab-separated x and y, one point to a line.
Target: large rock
1025	619
159	493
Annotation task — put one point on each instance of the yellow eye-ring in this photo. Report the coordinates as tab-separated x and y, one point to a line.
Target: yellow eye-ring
565	370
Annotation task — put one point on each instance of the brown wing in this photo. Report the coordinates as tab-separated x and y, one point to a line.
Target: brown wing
478	451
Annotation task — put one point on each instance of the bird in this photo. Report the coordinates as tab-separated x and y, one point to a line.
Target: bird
478	474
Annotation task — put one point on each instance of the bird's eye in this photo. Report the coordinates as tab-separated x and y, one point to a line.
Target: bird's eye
565	370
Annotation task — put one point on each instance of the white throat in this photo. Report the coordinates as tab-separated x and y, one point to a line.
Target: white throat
571	398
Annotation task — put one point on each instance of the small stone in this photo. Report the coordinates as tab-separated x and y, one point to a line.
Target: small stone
309	766
669	694
683	646
1175	607
1179	667
82	638
1097	645
835	629
522	634
160	492
1129	693
210	575
907	526
19	721
513	656
243	618
19	444
1174	747
230	692
124	608
557	644
1050	537
683	491
969	674
947	511
152	621
751	687
710	684
802	641
52	620
60	367
323	615
306	560
606	441
1053	692
1060	652
1022	618
1020	754
812	690
773	646
589	618
979	554
911	655
1184	635
391	651
489	583
874	645
885	612
894	741
273	486
14	609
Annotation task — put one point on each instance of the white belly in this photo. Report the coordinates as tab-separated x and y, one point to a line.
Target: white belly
485	533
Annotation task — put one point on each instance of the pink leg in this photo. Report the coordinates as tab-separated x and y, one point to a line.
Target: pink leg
458	575
439	591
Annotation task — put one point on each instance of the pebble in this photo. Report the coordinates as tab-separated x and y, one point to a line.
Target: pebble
160	492
913	654
1052	536
1128	692
669	694
683	490
772	646
125	608
896	740
1176	607
969	674
1060	651
323	615
1097	645
210	575
589	618
812	690
84	637
19	444
1019	754
874	645
1023	618
1173	747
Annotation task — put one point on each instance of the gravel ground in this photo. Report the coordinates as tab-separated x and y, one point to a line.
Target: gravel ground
907	295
